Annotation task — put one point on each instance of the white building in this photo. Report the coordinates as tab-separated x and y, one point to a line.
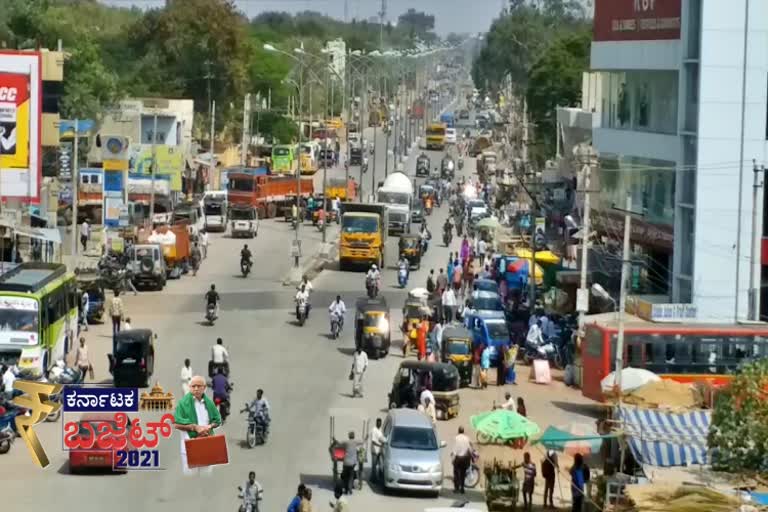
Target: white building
678	130
337	49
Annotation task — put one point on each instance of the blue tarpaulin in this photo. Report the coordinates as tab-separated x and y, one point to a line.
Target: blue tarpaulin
659	438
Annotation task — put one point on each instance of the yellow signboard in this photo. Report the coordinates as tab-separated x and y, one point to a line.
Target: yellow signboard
115	165
169	161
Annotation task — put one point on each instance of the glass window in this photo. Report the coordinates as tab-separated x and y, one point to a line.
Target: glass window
640	100
412	438
686	246
594	341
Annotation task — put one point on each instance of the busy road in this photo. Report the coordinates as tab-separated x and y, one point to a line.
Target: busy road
303	372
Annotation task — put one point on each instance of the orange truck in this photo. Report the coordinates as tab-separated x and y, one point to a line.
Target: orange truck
268	195
176	251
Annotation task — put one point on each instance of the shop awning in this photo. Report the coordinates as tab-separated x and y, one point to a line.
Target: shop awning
659	438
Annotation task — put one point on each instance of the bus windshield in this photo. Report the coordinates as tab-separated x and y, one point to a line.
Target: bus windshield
281	151
436	131
213	208
359	224
18	314
394	198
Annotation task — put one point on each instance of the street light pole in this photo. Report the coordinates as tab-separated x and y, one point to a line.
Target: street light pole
153	170
298	167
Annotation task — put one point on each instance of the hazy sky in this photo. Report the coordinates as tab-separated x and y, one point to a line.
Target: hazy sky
450	15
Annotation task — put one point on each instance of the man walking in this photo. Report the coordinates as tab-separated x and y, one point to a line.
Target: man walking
82	360
116	311
350	462
377	445
186	376
359	365
195	415
462	458
85	234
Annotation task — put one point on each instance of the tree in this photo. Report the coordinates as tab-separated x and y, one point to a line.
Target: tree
555	80
738	434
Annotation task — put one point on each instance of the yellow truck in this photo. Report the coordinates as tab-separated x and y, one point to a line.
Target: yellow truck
436	136
345	190
364	229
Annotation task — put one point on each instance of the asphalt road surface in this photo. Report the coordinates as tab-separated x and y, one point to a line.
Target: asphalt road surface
303	372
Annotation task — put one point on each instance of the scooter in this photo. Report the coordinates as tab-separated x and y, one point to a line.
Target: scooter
7	432
245	267
402	277
447	238
372	287
301	312
249	504
210	314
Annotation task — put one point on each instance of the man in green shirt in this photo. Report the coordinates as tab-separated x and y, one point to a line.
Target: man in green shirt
196	415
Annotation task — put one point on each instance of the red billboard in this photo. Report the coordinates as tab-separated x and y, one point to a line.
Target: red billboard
637	20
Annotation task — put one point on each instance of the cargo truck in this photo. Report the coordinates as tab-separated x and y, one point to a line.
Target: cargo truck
364	229
436	136
345	190
269	195
397	193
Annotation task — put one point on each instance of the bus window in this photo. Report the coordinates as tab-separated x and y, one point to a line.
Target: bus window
759	348
594	342
635	356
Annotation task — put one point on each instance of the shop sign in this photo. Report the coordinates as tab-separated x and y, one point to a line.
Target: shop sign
637	20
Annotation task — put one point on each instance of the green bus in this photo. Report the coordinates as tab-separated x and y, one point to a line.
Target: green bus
283	159
38	316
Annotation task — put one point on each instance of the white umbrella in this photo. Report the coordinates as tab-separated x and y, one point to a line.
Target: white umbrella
419	293
631	378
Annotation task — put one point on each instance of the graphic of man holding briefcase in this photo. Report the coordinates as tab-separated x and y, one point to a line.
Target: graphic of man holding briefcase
196	416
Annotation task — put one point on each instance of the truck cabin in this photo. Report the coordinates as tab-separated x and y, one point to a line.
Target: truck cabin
396	198
360	223
241	183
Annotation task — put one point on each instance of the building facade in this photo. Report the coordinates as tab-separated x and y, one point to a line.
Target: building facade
682	117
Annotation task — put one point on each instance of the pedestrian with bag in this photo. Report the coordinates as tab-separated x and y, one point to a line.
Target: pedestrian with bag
82	361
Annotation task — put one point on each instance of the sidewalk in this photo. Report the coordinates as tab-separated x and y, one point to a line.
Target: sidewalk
552	404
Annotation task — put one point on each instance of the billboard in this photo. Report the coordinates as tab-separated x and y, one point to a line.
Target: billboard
636	20
20	121
169	162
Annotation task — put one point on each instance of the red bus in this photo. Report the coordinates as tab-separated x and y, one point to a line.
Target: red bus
681	352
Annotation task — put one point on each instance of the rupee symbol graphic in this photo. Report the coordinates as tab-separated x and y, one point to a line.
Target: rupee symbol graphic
35	399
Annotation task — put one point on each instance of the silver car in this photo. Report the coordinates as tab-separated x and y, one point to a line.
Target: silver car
411	456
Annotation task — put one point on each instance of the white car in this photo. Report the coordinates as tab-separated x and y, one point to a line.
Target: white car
450	135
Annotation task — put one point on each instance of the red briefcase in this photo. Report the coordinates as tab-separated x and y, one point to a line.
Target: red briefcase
207	451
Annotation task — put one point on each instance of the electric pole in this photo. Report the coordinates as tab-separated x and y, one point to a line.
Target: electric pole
246	131
587	157
754	267
625	269
382	16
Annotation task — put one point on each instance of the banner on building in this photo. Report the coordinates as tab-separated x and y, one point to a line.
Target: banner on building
637	20
20	115
169	161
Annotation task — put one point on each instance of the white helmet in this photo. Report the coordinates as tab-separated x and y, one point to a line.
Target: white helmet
373	267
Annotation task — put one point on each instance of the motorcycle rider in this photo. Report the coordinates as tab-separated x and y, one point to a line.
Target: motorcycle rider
220	356
425	236
251	493
212	298
195	256
302	296
259	409
373	277
337	309
245	256
308	288
534	336
448	227
220	386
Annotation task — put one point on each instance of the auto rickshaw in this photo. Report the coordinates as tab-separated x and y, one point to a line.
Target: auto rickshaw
410	249
414	376
132	361
422	165
372	331
457	350
414	309
427	195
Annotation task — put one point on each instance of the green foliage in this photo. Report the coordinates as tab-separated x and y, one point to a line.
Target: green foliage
738	434
555	80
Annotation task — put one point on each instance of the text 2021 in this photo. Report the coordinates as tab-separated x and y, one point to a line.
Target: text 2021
137	459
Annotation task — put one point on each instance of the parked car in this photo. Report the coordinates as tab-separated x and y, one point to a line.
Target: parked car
417	213
411	456
485	301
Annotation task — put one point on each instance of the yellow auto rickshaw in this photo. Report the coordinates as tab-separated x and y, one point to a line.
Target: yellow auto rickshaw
456	349
410	249
413	311
372	326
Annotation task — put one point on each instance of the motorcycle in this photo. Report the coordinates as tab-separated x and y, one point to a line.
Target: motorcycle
428	209
294	223
301	312
402	277
548	351
224	405
461	163
473	472
62	375
335	326
447	237
372	287
319	225
7	432
249	504
256	433
210	314
245	267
